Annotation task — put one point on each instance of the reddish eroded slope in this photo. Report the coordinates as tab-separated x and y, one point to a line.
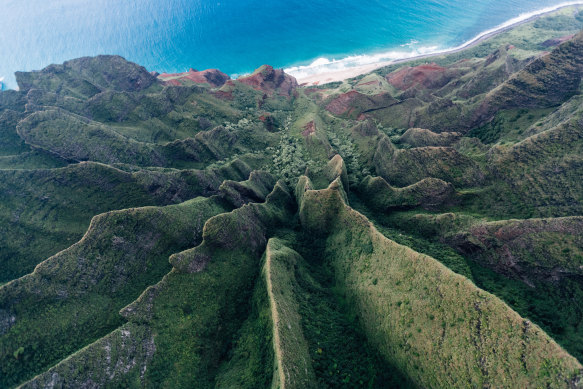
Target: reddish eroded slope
213	77
353	103
429	76
556	41
270	81
309	129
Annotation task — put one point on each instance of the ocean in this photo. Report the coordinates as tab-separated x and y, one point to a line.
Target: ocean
237	36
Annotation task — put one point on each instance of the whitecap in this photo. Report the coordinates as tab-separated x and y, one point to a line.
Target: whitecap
325	65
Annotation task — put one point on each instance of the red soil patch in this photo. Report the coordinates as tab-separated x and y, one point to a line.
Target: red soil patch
213	77
556	41
367	83
430	76
342	103
226	91
270	81
309	129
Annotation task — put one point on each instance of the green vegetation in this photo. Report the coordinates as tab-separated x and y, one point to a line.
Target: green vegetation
509	126
419	226
44	211
404	313
327	317
84	286
543	302
293	361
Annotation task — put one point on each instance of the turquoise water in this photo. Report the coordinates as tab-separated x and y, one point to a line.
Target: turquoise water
237	36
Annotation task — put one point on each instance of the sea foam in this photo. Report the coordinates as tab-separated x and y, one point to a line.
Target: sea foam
325	65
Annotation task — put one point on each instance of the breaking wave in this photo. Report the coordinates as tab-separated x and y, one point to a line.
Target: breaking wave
325	65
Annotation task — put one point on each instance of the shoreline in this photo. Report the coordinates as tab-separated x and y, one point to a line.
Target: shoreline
351	72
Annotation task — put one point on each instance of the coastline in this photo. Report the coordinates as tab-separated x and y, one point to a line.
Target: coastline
351	72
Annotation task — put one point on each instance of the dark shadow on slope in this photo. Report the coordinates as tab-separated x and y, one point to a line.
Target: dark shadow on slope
556	307
340	353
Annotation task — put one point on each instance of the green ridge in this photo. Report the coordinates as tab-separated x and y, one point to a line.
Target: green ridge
471	159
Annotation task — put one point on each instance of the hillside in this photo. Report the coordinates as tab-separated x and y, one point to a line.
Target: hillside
418	226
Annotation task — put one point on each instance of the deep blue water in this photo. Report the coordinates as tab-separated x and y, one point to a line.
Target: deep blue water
237	36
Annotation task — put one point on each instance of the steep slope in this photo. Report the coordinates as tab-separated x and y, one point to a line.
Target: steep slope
74	297
44	211
432	240
293	363
547	81
444	336
208	285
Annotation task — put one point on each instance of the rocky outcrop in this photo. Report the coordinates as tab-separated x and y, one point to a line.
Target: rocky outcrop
547	249
419	137
352	104
214	77
430	76
271	81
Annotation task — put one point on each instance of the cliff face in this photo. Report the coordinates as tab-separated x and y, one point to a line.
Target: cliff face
415	227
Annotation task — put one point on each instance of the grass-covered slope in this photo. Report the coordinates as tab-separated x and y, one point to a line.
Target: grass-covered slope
215	283
427	193
532	248
293	362
435	325
465	272
44	211
87	76
106	363
74	297
139	352
545	82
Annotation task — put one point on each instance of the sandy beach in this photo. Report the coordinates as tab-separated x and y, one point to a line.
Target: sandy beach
350	72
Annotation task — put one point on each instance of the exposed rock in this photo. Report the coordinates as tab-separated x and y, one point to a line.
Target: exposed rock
418	137
352	104
430	76
271	81
309	129
214	77
105	362
548	249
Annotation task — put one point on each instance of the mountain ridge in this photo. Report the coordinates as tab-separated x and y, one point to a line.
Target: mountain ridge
414	227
